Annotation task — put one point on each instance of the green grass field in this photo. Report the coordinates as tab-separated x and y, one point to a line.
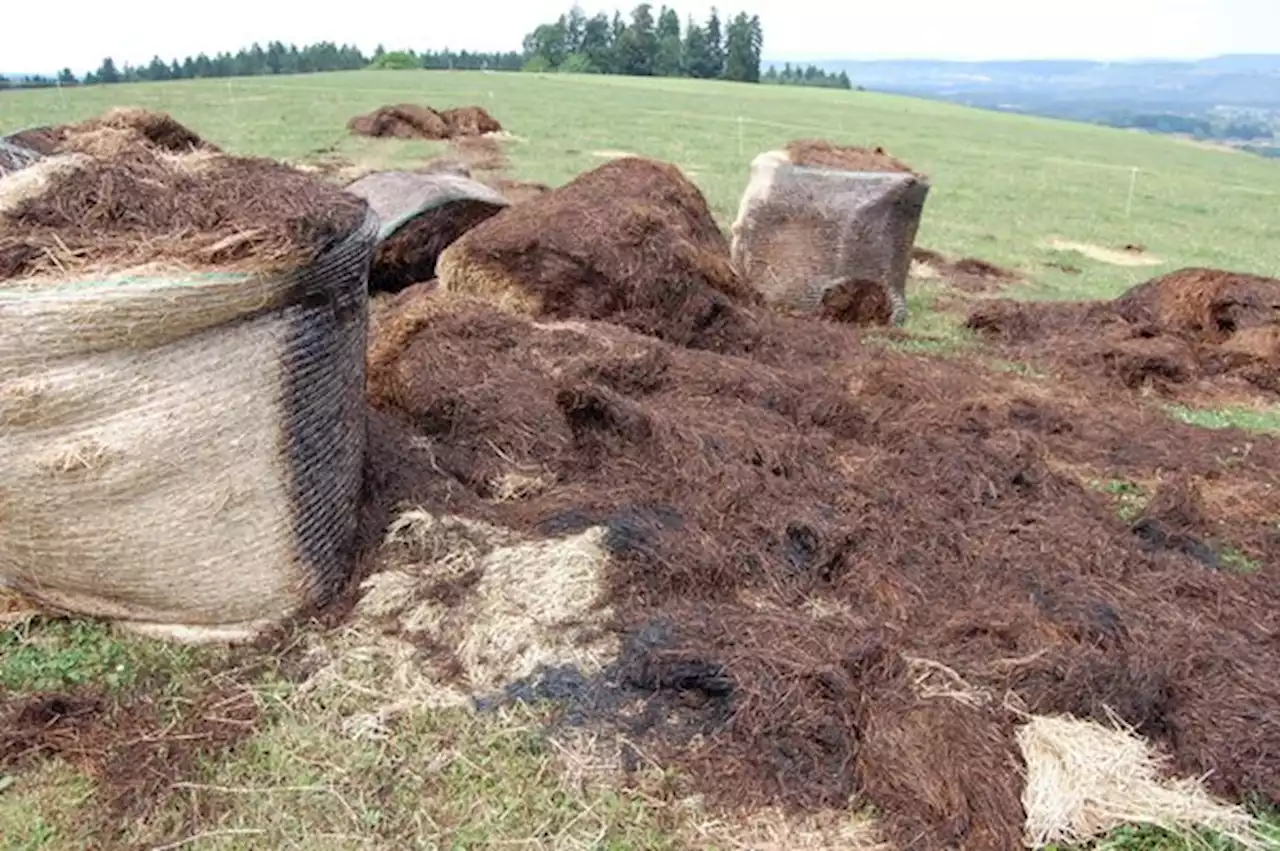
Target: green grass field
1003	187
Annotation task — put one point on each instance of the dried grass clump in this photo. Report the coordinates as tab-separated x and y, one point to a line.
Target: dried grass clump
1085	780
1193	331
632	241
129	206
470	121
458	608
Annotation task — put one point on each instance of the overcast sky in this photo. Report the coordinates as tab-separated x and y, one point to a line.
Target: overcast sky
82	32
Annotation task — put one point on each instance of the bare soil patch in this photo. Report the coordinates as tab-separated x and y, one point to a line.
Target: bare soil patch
1191	332
844	573
1124	257
970	274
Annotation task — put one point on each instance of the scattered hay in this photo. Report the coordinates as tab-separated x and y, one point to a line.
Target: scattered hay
15	608
1191	331
835	569
141	204
459	608
411	121
610	154
632	241
820	153
1110	256
518	191
1085	780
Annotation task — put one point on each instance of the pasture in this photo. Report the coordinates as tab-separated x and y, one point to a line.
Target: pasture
172	747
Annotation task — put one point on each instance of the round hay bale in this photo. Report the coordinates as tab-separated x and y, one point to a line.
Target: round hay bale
817	218
181	391
421	214
631	242
14	157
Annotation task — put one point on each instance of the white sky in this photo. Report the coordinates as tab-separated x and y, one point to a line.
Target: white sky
134	30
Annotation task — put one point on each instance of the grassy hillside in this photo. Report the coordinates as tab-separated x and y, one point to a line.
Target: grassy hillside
1002	185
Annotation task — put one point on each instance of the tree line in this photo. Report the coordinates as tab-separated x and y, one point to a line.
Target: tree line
648	45
810	76
641	45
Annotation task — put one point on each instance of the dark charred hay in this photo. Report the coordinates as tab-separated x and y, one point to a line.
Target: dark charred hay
201	210
411	121
632	242
819	153
1194	330
840	567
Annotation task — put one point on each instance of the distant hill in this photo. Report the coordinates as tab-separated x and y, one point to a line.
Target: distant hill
1233	99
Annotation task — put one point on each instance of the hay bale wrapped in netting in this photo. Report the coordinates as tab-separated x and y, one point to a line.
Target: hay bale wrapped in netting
14	157
632	242
421	214
181	388
829	230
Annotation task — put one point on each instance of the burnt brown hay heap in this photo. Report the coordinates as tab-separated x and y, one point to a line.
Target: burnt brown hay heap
411	121
139	204
843	574
422	213
821	153
631	241
1181	333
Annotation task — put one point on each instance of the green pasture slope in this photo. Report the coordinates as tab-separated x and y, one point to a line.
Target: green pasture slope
1003	186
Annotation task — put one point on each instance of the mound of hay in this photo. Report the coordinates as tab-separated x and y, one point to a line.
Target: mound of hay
402	121
1177	333
421	215
181	388
470	121
411	121
632	241
828	230
115	131
841	573
126	206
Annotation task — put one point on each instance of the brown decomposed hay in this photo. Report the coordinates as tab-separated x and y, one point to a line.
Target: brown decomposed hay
409	255
402	121
839	573
116	130
1177	333
632	241
820	153
412	121
971	274
141	204
470	121
518	191
480	153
